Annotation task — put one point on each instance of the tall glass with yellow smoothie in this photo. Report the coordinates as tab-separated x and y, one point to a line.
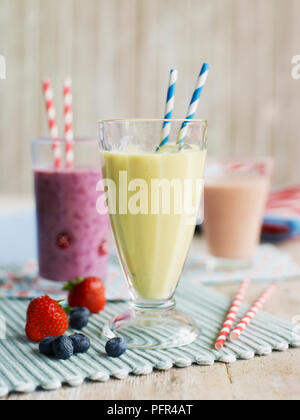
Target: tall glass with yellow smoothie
153	197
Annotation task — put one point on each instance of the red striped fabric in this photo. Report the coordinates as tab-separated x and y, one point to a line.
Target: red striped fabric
232	314
258	306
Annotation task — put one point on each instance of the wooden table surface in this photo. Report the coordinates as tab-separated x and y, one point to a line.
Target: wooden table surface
274	377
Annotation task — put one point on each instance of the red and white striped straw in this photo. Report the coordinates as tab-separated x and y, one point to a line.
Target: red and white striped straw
232	314
68	116
257	307
48	92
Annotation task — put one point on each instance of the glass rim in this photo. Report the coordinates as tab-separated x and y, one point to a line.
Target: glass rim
153	120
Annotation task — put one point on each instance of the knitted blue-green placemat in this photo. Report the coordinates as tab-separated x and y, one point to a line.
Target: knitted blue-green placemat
23	369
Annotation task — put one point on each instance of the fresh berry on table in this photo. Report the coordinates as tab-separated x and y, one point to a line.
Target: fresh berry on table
116	347
79	318
46	346
81	310
45	318
81	343
63	348
88	292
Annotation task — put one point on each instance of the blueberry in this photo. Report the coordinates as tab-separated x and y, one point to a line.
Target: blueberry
116	347
46	346
63	347
78	320
81	343
81	310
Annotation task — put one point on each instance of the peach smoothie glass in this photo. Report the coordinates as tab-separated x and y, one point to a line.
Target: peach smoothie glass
235	200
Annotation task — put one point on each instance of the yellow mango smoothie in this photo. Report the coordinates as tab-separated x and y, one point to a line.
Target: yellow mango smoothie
152	223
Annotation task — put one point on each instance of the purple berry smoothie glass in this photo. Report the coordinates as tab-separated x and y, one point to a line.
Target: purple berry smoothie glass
73	238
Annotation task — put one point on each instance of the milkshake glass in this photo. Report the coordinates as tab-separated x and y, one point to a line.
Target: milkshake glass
153	199
235	200
73	238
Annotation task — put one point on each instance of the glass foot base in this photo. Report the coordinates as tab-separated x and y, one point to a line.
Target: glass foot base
150	329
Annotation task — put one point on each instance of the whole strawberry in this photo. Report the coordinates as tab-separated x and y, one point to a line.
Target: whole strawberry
88	292
45	318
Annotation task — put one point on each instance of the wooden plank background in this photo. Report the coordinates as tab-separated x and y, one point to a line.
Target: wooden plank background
119	53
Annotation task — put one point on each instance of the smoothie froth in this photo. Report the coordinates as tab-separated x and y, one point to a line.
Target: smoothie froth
153	247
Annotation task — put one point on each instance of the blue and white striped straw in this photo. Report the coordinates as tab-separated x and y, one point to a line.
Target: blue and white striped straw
166	129
193	105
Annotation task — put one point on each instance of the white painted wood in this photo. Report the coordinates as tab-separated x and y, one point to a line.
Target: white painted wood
147	59
265	109
221	80
11	45
286	98
28	102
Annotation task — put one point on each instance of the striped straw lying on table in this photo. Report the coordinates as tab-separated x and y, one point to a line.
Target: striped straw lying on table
169	109
248	318
68	115
232	314
51	114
